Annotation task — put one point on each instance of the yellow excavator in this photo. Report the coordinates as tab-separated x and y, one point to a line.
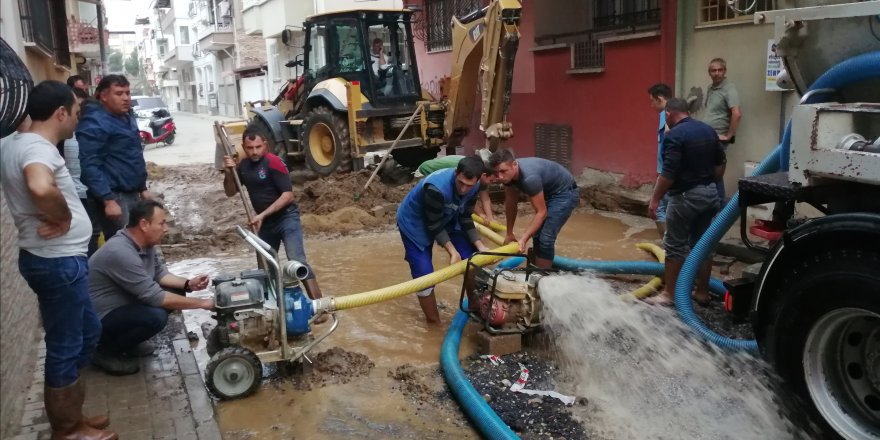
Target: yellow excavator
359	95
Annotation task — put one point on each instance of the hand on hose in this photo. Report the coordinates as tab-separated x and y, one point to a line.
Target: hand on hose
454	256
112	210
523	243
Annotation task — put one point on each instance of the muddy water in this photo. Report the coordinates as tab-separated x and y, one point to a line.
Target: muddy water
390	334
647	376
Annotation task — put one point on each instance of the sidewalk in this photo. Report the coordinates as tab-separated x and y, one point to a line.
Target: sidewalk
167	399
205	116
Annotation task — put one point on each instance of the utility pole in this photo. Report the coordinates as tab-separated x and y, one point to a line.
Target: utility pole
99	6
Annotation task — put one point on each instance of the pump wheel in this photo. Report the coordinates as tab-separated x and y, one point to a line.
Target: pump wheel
326	141
825	339
233	373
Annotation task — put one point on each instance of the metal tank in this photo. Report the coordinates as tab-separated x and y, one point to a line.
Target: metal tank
814	35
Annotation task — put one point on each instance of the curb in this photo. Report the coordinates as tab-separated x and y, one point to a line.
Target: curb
199	400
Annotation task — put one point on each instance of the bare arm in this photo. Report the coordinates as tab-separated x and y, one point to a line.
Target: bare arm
735	117
540	206
179	302
283	201
484	207
511	198
229	180
48	200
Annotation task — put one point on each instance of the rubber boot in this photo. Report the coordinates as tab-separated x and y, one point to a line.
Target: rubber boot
429	308
99	421
312	288
701	291
64	409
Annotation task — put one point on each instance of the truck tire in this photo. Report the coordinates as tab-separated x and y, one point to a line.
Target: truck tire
824	339
326	141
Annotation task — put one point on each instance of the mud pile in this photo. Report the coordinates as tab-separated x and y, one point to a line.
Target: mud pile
203	219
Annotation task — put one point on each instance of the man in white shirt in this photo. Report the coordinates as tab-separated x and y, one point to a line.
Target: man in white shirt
53	236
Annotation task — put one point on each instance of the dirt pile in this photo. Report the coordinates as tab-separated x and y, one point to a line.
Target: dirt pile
203	219
338	366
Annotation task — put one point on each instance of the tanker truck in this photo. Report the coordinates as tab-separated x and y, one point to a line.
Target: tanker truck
815	304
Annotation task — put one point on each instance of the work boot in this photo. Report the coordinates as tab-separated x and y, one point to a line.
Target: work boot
64	410
115	364
143	349
429	307
100	421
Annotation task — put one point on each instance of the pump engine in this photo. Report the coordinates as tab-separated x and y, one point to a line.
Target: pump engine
506	300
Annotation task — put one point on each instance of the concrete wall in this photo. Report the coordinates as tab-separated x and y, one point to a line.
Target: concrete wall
19	328
744	47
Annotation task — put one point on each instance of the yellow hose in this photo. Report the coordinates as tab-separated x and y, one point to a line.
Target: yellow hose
656	282
490	234
495	226
403	289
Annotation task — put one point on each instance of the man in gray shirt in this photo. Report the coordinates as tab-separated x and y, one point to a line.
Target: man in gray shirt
128	287
552	191
722	109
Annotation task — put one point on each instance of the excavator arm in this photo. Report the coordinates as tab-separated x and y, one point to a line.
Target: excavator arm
484	45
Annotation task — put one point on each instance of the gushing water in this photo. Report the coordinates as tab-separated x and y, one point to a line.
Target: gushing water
647	376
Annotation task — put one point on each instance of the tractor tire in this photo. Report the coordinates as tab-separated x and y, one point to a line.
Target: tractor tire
213	344
326	141
824	339
233	373
413	157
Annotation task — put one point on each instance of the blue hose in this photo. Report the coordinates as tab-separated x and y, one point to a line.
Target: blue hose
481	414
856	69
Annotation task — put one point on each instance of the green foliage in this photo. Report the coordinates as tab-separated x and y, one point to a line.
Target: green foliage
133	65
114	61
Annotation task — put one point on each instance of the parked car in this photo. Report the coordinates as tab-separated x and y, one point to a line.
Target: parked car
144	106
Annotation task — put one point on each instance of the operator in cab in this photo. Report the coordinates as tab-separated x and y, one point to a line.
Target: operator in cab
438	209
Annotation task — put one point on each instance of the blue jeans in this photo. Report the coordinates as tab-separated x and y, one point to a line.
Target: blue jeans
127	326
688	216
285	227
559	209
420	260
660	212
719	184
69	320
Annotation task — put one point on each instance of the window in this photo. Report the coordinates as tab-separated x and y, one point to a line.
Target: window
611	14
438	14
391	67
45	24
184	35
713	11
588	54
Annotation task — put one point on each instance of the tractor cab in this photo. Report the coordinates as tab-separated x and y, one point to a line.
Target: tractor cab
372	47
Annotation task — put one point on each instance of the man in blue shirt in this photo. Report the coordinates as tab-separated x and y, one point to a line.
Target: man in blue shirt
110	153
659	94
693	160
439	209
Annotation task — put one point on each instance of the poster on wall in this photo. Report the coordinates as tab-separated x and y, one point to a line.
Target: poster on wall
774	68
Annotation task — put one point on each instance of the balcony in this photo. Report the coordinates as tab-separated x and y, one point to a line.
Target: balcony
83	38
166	18
215	37
180	56
269	17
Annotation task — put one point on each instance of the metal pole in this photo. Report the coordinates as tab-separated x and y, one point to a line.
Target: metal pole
388	154
99	7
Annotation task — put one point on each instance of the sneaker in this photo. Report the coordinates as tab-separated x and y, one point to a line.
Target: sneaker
143	349
115	365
